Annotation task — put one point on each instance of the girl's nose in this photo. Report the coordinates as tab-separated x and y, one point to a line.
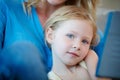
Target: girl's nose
76	46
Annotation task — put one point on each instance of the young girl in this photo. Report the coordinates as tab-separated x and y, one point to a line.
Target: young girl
70	32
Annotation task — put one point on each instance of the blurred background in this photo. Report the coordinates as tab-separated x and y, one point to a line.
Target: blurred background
103	8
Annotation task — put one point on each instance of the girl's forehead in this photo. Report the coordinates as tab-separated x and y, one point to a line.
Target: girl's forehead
75	25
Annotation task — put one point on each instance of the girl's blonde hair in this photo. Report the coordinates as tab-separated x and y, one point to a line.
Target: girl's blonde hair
89	5
71	12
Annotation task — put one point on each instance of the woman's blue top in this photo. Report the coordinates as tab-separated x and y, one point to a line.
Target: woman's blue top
16	25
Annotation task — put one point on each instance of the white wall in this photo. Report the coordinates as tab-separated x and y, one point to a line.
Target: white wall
103	8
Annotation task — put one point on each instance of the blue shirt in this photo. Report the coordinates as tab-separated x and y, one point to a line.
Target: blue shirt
16	25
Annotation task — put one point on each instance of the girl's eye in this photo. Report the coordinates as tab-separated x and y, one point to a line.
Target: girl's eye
85	41
71	36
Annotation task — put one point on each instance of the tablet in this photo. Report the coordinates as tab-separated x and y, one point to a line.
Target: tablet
109	61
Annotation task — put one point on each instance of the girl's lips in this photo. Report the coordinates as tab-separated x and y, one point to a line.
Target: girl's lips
75	54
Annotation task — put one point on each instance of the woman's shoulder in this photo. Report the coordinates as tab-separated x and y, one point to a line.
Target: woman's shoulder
10	3
12	7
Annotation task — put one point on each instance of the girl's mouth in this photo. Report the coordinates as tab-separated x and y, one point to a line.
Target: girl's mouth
74	54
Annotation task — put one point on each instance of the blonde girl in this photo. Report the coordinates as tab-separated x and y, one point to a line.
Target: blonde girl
70	32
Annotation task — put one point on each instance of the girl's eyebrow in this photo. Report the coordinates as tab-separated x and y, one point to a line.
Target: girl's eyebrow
87	37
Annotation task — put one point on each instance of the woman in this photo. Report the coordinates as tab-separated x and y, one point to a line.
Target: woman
22	23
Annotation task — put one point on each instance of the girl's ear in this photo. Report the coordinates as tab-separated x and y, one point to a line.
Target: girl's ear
49	35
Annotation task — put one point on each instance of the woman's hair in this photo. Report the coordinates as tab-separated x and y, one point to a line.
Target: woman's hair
69	13
90	5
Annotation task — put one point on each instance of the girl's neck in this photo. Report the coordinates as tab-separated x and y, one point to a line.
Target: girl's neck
62	71
59	66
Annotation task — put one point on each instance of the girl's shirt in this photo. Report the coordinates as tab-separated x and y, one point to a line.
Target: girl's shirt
53	76
16	25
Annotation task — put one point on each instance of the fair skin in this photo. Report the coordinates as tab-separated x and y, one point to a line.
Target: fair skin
70	44
47	9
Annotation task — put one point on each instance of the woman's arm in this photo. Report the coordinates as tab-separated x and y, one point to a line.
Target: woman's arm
2	21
